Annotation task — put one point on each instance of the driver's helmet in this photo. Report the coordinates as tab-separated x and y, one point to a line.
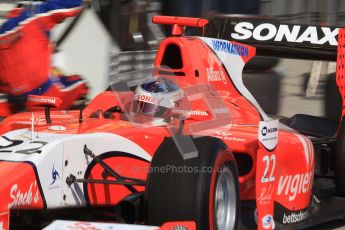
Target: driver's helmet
157	97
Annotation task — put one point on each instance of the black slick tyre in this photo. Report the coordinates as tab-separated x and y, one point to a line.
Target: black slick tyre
203	189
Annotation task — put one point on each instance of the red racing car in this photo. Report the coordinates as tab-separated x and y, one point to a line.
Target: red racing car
184	141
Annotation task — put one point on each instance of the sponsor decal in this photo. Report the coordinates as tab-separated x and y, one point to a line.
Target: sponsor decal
295	217
228	137
292	185
266	193
289	33
198	113
23	198
191	112
228	47
265	130
149	99
268	134
237	139
55	179
215	76
42	100
38	121
165	99
55	175
179	227
82	226
268	222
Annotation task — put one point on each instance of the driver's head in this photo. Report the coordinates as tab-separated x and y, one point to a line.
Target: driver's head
157	98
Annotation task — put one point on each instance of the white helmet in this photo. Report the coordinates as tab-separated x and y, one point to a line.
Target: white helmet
157	97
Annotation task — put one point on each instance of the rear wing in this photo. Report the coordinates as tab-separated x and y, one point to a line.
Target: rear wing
273	38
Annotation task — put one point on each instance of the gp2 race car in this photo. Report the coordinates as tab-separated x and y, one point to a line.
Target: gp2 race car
184	141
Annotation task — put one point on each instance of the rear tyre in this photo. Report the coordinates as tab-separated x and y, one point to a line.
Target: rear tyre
203	189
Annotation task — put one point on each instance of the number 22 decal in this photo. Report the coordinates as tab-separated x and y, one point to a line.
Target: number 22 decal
270	162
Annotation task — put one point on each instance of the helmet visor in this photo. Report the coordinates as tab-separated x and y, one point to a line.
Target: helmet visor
149	109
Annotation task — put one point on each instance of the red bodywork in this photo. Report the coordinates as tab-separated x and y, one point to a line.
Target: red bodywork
291	171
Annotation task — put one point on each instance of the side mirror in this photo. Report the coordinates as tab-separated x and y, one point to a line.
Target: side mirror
46	102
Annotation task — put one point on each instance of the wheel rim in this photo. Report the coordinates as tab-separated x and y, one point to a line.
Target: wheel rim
225	200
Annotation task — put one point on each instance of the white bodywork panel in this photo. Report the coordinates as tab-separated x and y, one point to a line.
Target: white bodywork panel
234	66
60	148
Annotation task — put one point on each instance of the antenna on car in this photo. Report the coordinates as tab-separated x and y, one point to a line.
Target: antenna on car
179	23
81	115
